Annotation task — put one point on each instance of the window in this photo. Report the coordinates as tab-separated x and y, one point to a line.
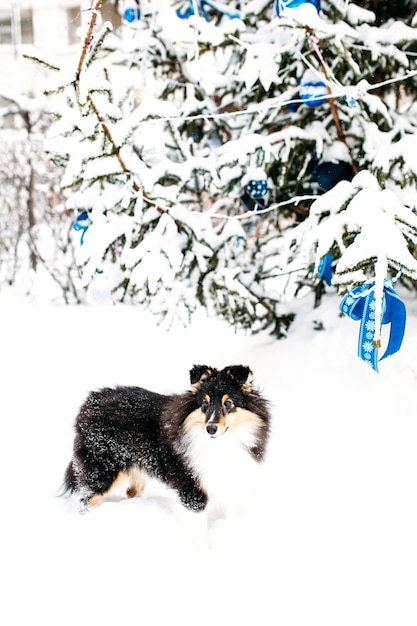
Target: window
16	26
5	27
26	26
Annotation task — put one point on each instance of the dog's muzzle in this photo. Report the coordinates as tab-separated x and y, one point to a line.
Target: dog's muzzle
215	425
212	429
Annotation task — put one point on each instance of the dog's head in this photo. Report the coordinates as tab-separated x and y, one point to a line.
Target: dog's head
223	397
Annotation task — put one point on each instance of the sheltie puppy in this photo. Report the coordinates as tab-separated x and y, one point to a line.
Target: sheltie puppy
205	443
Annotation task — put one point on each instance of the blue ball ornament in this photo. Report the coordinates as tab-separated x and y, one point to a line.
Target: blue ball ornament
131	14
313	90
257	188
253	197
329	173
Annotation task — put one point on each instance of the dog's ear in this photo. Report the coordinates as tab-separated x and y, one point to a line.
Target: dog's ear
198	374
242	375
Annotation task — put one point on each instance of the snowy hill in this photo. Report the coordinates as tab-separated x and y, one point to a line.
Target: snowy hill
334	542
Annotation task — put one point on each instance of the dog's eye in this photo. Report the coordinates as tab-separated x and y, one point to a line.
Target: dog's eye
228	404
204	405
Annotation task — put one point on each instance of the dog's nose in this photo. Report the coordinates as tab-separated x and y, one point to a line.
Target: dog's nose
211	429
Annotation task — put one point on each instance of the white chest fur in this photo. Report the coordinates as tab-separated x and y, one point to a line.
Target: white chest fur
227	471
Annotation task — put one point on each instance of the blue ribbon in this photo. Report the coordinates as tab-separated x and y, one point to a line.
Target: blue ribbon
325	268
359	304
201	4
82	223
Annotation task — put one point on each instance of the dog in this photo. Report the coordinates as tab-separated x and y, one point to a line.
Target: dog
205	443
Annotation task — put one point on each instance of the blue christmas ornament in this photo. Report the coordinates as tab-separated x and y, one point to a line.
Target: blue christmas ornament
312	89
281	5
81	224
131	15
329	173
256	189
130	11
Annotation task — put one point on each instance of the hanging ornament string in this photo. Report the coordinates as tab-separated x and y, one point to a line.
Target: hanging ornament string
328	70
360	305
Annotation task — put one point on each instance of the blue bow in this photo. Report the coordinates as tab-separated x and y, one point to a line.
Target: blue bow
201	4
82	223
325	269
359	304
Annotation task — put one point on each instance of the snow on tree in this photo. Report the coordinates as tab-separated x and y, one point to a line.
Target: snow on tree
221	151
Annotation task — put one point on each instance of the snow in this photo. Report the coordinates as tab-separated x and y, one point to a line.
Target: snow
333	539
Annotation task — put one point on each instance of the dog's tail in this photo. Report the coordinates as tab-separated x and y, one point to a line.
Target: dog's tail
69	484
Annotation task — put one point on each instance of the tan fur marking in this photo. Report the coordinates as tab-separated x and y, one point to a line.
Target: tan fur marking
95	500
136	482
242	416
225	397
196	418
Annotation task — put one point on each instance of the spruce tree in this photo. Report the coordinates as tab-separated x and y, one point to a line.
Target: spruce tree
218	153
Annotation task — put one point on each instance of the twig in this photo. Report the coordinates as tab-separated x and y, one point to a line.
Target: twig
88	37
113	144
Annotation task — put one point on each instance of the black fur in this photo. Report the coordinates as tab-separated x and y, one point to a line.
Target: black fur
117	429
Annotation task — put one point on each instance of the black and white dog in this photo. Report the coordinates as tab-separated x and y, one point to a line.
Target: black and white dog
205	443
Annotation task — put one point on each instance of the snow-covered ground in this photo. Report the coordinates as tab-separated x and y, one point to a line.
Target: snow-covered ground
335	541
